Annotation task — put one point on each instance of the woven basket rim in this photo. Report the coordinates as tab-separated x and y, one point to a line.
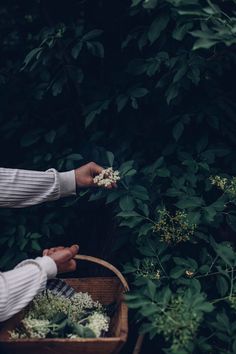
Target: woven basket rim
63	340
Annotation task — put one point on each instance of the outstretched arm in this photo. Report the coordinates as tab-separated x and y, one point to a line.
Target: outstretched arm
23	188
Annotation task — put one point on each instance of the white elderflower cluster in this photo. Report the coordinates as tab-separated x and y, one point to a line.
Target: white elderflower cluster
84	300
36	328
48	312
17	335
81	302
98	323
46	305
107	177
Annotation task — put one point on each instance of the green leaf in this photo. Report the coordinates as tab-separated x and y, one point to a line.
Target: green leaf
34	53
157	26
129	214
110	158
57	87
131	172
163	172
121	102
88	333
92	34
151	289
126	203
143	230
135	2
231	221
180	73
96	49
189	202
76	50
150	4
74	157
35	235
222	285
139	92
31	138
181	30
225	252
90	118
177	272
140	192
125	167
57	229
113	195
172	92
204	43
134	103
100	106
50	136
178	130
35	245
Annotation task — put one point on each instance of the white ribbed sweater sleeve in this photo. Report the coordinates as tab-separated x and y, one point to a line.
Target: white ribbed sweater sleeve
19	286
23	188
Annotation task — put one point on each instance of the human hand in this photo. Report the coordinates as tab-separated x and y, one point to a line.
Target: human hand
84	175
63	257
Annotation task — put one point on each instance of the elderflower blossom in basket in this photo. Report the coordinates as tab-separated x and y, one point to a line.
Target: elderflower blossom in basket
55	316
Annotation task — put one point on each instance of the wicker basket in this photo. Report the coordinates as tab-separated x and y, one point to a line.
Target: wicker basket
104	289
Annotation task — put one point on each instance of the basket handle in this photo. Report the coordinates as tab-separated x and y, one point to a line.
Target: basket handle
105	264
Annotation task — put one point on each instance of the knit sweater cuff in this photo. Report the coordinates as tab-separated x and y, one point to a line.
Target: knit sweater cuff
67	183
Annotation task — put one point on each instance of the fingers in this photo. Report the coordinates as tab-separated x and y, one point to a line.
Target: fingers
48	252
74	249
95	169
69	253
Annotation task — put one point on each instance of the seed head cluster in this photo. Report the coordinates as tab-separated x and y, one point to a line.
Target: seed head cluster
227	185
148	268
232	301
174	228
107	177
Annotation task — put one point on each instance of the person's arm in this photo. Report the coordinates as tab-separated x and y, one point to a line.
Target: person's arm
19	286
23	188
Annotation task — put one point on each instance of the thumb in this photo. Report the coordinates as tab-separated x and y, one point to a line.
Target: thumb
74	249
96	169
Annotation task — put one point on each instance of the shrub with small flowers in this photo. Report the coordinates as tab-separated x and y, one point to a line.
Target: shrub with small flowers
155	96
51	315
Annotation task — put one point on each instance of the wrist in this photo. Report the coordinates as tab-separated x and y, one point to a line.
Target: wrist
67	182
48	265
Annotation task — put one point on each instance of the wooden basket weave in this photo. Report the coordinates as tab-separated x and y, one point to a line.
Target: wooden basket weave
104	289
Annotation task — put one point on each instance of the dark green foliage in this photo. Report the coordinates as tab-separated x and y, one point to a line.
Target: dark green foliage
148	87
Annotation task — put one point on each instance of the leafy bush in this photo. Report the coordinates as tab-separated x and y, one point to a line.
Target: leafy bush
147	87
